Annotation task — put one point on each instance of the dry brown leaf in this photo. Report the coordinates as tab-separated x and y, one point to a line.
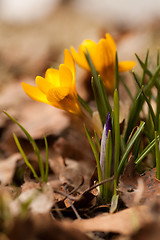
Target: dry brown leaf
124	222
41	226
7	168
38	201
150	231
151	187
128	183
138	189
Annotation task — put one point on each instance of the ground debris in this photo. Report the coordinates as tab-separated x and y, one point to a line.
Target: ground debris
138	189
43	227
8	167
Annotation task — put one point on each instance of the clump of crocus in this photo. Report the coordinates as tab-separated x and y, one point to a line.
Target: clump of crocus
58	88
103	57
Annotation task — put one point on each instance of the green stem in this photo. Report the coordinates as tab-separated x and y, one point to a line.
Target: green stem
47	159
25	157
117	134
129	146
157	156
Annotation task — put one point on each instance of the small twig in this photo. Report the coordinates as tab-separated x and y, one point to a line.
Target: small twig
75	189
65	195
71	204
87	190
58	212
98	184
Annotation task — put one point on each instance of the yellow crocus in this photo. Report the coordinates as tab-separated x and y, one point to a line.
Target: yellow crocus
103	58
58	87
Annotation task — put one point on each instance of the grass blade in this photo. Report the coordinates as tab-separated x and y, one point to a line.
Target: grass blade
47	160
148	72
129	146
95	152
97	141
116	72
127	89
25	157
35	147
148	103
144	153
117	133
157	156
85	105
97	90
108	163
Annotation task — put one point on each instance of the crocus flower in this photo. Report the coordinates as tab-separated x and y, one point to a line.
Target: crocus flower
58	87
103	58
107	127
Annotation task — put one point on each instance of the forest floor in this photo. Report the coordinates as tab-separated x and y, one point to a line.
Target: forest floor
65	207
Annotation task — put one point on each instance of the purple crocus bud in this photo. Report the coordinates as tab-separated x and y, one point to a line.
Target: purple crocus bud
107	127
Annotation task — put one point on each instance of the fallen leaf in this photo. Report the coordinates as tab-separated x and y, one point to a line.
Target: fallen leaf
150	231
7	168
138	189
36	200
41	226
124	222
128	183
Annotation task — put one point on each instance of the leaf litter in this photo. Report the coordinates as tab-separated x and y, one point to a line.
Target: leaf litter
49	211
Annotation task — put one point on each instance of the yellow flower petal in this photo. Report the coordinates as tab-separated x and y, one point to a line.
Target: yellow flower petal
43	85
107	75
64	98
66	76
69	62
58	87
80	58
56	95
125	66
109	52
34	93
52	76
110	42
92	50
103	58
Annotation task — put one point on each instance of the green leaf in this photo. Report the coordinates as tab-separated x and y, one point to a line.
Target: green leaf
35	147
114	203
116	72
157	156
144	153
127	89
97	141
47	159
95	152
107	188
116	132
134	113
97	90
152	81
25	157
108	155
85	105
102	112
157	57
129	146
147	71
144	68
109	109
148	103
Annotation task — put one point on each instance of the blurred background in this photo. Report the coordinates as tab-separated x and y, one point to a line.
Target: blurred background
34	34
